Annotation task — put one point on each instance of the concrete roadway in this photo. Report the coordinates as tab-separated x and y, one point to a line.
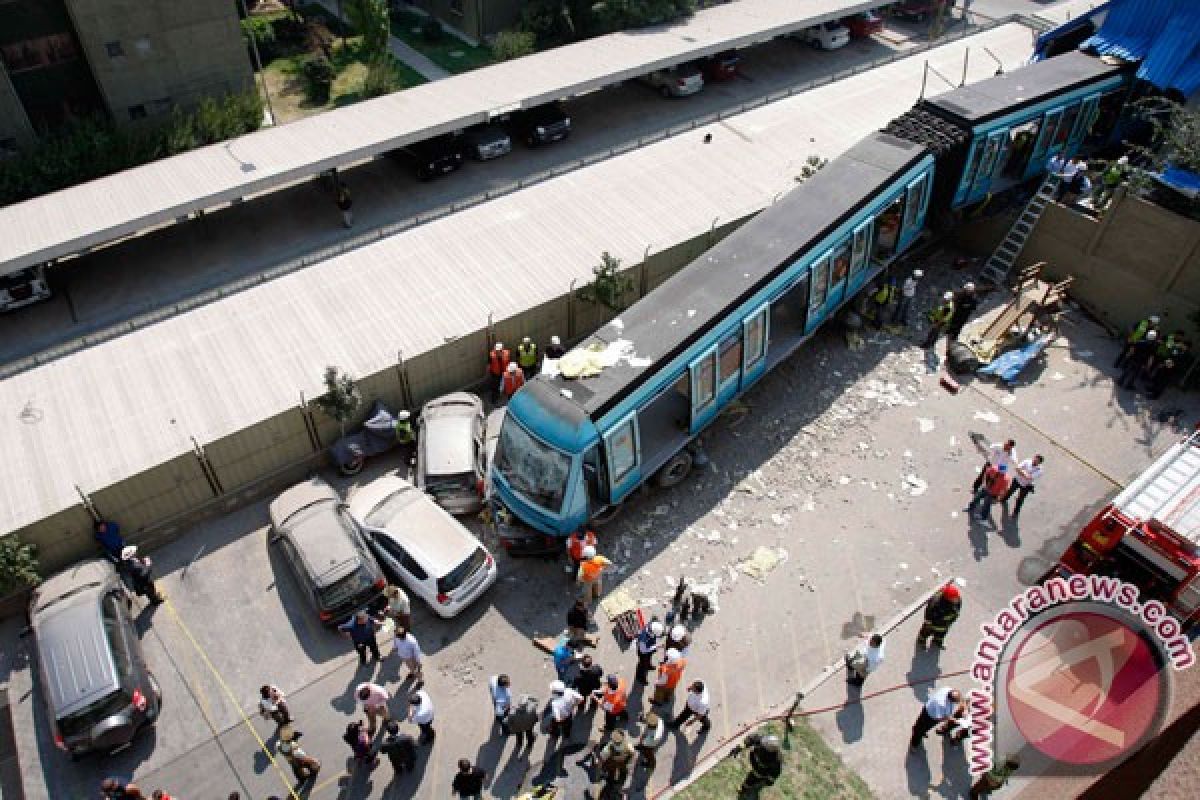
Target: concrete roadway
181	261
815	461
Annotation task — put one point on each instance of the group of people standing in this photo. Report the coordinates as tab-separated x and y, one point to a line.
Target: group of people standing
506	375
1150	357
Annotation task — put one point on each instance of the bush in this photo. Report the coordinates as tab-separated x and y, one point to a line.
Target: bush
290	35
318	77
262	32
512	44
18	566
431	29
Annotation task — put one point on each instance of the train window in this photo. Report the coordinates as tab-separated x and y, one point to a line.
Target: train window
730	358
858	258
622	446
820	278
754	331
976	158
1066	125
841	263
1049	131
704	385
887	228
1105	117
916	200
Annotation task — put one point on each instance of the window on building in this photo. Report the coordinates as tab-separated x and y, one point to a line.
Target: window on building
142	45
137	112
114	49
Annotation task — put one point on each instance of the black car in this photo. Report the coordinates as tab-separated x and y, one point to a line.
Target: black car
541	124
99	693
327	551
434	157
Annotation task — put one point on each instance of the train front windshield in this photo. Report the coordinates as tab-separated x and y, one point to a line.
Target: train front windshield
535	470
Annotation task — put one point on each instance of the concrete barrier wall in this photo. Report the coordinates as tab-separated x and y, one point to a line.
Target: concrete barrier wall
165	501
1137	259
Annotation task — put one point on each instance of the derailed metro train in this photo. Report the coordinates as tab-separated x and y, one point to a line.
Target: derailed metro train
571	450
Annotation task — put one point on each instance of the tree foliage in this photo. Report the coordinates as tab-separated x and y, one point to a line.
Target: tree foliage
18	565
92	148
1176	135
342	396
608	286
370	18
512	44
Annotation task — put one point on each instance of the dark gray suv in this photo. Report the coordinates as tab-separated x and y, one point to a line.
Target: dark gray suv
326	550
93	676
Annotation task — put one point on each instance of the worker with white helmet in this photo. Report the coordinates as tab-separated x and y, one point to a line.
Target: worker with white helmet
498	361
965	303
527	357
647	645
513	380
907	292
939	318
1136	334
679	640
404	429
591	568
670	673
555	349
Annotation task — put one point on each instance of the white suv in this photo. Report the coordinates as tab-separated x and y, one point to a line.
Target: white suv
676	81
827	36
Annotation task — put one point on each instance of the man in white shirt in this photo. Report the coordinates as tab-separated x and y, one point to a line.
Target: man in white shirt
499	686
942	705
408	649
908	290
564	702
420	713
374	700
654	733
1000	454
865	659
1027	475
697	706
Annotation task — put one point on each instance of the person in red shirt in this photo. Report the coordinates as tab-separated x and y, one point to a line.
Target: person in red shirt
995	485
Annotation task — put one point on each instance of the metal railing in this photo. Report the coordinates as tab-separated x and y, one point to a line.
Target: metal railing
152	316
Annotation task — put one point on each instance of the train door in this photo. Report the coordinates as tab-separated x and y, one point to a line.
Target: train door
756	330
839	271
1046	137
994	152
817	292
1060	144
729	366
916	202
704	389
1088	111
886	241
623	449
859	258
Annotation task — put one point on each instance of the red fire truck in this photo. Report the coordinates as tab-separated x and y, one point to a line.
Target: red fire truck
1149	535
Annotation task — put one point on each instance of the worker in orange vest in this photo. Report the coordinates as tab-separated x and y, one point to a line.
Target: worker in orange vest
613	696
670	673
498	361
590	569
575	544
513	379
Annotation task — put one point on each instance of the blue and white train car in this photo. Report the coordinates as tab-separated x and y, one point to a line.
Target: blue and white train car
572	449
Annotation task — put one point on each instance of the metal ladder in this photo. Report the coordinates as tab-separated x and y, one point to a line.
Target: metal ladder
1001	262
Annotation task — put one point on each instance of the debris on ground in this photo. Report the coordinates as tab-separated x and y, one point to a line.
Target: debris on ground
762	562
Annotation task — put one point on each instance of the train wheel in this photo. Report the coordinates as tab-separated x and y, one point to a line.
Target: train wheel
675	470
607	515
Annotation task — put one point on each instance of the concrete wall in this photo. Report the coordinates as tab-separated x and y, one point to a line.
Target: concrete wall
171	53
165	501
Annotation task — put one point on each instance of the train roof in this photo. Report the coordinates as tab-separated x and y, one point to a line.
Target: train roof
676	314
1022	87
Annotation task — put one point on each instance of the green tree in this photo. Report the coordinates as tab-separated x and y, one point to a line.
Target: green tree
370	18
608	286
341	399
512	44
18	565
1176	135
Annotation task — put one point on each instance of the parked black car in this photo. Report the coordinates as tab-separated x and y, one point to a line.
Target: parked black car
93	676
326	550
434	157
541	124
485	142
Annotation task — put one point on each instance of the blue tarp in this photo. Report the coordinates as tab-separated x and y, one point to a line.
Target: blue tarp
1007	366
1163	34
1181	180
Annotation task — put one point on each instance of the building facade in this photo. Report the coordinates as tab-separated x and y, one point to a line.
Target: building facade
478	19
131	61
